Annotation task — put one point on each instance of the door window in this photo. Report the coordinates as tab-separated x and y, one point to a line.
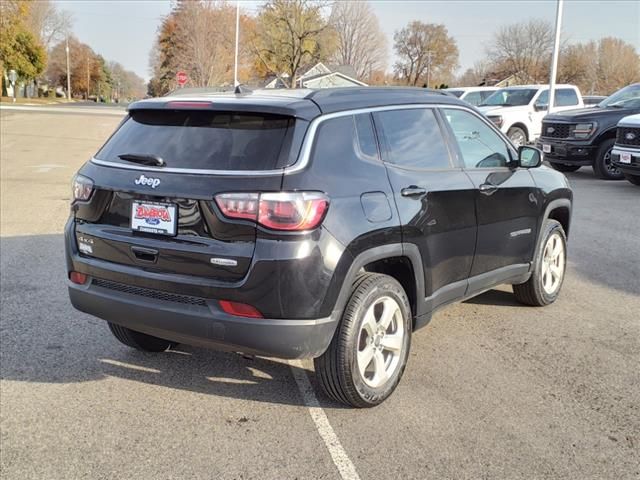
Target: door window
480	146
474	98
413	138
565	97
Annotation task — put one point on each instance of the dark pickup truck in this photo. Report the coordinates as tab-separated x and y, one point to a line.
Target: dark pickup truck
585	137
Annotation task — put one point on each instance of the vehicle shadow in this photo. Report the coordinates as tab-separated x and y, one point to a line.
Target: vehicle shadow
496	298
44	339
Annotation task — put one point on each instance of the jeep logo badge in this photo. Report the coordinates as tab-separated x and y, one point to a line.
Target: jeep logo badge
630	136
150	182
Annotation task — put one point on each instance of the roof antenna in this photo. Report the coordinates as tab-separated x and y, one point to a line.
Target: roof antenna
242	90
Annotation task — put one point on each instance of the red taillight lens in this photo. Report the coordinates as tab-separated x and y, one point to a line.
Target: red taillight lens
289	211
239	309
78	278
292	210
239	205
82	188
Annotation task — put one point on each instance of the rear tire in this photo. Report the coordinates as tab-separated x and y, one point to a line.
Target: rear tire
549	267
602	166
369	350
561	167
139	341
635	179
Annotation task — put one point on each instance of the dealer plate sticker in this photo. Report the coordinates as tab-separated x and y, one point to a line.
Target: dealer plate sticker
625	157
160	218
546	148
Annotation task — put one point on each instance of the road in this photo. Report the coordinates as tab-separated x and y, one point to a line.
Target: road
492	390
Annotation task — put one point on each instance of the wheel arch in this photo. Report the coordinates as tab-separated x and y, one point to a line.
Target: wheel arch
400	261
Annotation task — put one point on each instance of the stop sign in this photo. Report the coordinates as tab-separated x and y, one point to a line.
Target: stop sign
182	78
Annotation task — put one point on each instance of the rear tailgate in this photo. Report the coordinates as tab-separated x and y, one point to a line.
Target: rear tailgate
164	219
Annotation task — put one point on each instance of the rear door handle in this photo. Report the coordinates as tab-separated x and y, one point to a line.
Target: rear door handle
413	191
487	188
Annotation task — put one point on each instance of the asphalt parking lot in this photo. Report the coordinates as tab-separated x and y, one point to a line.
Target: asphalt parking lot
492	390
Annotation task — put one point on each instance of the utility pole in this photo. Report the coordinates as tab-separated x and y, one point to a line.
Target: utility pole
68	72
554	62
428	66
88	77
235	68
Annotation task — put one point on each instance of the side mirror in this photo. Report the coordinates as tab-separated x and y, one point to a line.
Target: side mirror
529	157
539	107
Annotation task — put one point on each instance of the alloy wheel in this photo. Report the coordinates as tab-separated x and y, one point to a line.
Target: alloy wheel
553	264
380	342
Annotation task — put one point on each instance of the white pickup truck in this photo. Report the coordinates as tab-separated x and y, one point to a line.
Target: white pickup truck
518	110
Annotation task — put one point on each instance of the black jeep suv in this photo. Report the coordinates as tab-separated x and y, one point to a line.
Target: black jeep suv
326	224
586	136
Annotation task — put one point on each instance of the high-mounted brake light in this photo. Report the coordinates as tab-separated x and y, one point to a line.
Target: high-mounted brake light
286	211
188	105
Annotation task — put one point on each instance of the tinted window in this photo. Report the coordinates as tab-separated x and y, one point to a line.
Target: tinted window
565	97
474	98
480	146
349	137
202	139
511	97
414	138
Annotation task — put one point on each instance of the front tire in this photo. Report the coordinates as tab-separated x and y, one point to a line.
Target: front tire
549	267
602	166
561	167
369	350
635	179
139	341
517	136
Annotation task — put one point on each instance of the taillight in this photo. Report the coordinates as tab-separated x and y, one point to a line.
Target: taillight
287	211
239	309
82	188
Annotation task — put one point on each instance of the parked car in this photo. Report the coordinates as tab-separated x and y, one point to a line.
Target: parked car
625	155
473	95
518	111
586	137
327	224
592	100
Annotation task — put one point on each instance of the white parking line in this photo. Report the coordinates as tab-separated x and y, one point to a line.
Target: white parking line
338	455
118	111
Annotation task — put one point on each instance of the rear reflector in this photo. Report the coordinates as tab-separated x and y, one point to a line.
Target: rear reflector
78	278
289	211
239	309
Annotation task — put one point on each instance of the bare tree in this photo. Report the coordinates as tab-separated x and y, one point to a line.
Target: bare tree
426	52
361	42
524	48
618	65
475	75
47	22
206	30
290	35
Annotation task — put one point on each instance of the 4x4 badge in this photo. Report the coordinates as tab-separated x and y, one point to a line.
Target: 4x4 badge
151	182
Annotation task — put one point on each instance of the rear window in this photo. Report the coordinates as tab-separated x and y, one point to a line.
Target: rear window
203	139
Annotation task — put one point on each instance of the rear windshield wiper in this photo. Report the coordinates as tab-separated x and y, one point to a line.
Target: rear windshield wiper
143	159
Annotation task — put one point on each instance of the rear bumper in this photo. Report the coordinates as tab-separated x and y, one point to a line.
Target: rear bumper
633	159
568	153
204	325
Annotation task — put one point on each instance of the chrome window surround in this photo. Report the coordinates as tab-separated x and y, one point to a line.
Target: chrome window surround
307	144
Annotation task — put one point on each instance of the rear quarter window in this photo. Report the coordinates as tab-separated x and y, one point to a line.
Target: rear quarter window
203	139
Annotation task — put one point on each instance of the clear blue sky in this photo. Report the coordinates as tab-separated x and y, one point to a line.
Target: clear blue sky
124	31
